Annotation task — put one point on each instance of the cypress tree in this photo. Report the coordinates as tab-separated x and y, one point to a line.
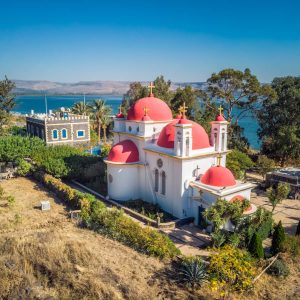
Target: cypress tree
255	246
298	229
278	239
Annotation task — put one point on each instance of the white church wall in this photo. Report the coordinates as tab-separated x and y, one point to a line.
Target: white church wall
123	181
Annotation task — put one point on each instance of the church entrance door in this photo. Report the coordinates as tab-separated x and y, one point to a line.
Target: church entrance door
201	218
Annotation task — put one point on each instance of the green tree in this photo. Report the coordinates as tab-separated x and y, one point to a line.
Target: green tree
240	92
278	239
188	96
100	111
136	91
255	246
7	102
238	162
162	89
81	108
105	121
279	120
265	165
276	195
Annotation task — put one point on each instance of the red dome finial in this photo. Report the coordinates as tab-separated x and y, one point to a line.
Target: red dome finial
220	117
183	110
151	87
119	115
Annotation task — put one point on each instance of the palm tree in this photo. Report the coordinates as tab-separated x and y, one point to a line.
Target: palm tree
99	111
105	121
80	108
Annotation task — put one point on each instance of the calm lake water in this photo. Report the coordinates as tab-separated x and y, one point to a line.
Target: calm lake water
26	103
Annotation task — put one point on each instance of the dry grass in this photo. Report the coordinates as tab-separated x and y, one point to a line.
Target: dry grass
45	256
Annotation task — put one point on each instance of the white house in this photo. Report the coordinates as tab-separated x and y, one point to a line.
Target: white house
171	162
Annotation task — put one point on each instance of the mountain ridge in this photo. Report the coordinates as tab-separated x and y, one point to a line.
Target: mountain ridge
104	87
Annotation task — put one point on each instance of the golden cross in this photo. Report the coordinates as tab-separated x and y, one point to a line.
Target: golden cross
146	109
183	109
151	87
219	157
220	109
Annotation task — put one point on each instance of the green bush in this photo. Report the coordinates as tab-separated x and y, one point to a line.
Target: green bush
279	268
192	271
278	239
255	246
11	200
111	221
238	162
218	239
14	148
24	167
292	245
234	239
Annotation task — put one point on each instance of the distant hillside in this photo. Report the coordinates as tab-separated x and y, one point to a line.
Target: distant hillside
83	87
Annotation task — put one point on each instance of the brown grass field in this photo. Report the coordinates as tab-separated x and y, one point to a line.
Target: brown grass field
44	255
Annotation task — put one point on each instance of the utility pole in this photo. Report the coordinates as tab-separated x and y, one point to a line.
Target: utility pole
46	106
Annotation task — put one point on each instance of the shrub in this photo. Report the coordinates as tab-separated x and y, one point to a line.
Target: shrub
234	239
11	200
276	195
298	229
218	239
279	268
292	245
13	148
255	246
192	271
278	239
231	268
24	167
238	162
1	192
105	148
265	165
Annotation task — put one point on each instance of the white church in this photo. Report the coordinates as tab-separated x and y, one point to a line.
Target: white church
171	162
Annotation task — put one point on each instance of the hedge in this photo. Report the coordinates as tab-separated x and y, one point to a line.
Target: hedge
111	221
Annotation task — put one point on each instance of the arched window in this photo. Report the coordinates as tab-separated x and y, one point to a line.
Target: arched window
54	134
163	182
64	133
187	146
215	141
156	180
223	141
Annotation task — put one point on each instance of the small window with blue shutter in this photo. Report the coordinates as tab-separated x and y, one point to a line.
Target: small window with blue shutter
80	133
64	133
54	134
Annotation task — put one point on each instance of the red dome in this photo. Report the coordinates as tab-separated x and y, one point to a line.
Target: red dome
218	176
220	118
167	135
124	152
158	110
119	116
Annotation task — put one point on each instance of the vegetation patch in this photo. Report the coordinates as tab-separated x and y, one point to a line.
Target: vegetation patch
111	221
150	210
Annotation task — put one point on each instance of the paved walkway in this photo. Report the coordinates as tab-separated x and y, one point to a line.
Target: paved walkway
288	211
189	240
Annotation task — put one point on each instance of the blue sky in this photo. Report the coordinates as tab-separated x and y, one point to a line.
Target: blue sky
137	40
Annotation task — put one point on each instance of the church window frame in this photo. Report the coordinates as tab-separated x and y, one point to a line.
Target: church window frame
156	180
163	182
223	141
64	133
55	134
